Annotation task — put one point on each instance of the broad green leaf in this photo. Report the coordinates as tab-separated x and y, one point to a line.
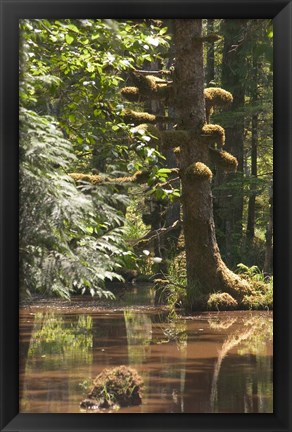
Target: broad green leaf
69	39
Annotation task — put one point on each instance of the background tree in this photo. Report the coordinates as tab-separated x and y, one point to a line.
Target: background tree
246	58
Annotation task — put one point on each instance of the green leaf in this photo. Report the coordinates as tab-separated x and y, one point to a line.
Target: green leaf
69	39
164	171
73	28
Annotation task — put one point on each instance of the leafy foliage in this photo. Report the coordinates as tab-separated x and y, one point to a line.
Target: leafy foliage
71	237
74	69
69	241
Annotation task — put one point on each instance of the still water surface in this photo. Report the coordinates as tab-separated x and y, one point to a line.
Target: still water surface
206	363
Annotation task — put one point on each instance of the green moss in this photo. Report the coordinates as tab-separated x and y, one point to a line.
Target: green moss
221	301
174	138
138	177
146	83
150	86
223	159
132	94
217	97
135	117
93	179
176	152
128	179
120	386
198	171
161	282
211	37
213	134
261	297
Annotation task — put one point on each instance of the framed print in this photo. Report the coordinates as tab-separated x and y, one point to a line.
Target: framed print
145	213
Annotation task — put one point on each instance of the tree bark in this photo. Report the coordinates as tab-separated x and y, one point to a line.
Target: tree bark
210	69
250	229
268	265
234	63
206	271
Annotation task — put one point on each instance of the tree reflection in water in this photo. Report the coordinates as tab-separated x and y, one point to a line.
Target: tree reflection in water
252	337
58	343
208	363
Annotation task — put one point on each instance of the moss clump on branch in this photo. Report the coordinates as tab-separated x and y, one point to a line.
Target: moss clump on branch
174	138
139	177
132	94
93	179
211	37
135	117
117	387
216	97
198	171
176	152
146	83
221	301
213	134
223	159
150	86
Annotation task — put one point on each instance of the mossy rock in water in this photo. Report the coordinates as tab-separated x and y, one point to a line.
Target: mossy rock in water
221	301
117	387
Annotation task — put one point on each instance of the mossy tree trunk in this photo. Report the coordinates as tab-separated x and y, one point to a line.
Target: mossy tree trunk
206	271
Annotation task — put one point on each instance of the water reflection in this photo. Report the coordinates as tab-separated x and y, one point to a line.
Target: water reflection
209	363
252	337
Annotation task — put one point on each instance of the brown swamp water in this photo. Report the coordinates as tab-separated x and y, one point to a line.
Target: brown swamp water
219	362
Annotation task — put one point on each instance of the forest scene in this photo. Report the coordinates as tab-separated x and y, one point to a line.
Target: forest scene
146	215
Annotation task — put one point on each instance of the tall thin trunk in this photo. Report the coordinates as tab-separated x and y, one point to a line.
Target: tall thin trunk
210	69
268	265
250	229
234	63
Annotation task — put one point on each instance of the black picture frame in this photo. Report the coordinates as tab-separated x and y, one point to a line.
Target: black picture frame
281	13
